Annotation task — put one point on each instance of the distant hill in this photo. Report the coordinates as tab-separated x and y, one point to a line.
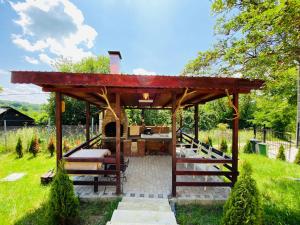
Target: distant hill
21	106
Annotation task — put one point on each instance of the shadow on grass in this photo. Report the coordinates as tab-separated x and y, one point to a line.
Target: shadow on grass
36	217
195	214
288	210
91	213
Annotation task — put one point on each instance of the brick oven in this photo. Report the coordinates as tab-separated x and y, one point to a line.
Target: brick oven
109	124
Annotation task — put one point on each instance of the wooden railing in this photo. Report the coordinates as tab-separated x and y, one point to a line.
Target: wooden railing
218	159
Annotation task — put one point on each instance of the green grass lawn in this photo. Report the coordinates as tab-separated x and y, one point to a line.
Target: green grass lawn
24	201
280	195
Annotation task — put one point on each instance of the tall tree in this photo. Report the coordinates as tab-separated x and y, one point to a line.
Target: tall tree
74	108
257	39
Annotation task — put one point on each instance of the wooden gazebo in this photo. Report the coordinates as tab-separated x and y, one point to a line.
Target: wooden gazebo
166	92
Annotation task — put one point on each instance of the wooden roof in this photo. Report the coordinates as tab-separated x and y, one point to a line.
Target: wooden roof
87	86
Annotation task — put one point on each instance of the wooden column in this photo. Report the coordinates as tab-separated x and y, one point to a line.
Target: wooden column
196	119
235	138
173	145
87	120
181	125
58	125
118	144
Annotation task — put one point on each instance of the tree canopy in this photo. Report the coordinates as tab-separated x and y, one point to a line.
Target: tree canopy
75	109
257	39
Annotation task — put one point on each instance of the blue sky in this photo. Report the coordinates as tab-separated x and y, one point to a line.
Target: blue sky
154	37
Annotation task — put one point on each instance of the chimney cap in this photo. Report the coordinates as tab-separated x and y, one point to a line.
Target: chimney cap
115	53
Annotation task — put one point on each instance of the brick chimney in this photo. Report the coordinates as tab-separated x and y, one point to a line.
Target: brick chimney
115	58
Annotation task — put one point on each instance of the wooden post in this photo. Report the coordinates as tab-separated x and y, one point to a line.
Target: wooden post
196	119
173	145
235	138
181	125
118	144
58	124
87	120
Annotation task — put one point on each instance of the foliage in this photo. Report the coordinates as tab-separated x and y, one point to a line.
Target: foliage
257	40
297	159
75	109
63	204
66	146
19	148
244	204
151	117
280	154
248	147
208	141
223	146
34	146
51	146
196	214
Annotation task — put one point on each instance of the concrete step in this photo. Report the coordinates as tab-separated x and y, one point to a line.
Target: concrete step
146	200
144	205
143	217
117	223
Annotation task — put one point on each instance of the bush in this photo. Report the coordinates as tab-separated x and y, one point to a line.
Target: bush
297	159
19	148
248	148
280	154
208	141
34	146
224	146
51	146
66	146
243	205
63	204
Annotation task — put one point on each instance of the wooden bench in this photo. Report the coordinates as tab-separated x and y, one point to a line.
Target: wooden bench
47	177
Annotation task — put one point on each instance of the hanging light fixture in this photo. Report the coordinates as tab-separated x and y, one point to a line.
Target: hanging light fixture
146	98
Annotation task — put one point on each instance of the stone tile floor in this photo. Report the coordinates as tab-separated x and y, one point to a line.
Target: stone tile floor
151	177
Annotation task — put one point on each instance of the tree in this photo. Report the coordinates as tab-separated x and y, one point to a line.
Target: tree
74	108
257	39
243	206
280	154
63	204
19	148
34	146
51	146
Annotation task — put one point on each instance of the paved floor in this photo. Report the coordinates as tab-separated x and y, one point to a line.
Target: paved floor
151	176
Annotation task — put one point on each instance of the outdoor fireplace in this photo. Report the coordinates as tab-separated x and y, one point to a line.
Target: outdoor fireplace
109	124
110	129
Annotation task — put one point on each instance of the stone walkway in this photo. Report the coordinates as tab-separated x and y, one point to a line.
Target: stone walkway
151	177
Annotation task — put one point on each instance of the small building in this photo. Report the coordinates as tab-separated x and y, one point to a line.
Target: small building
14	117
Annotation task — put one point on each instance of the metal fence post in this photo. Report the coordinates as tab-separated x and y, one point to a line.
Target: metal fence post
254	132
264	134
5	132
92	126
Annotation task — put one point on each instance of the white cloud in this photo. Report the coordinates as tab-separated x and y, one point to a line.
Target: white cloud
141	71
20	92
45	59
31	60
53	27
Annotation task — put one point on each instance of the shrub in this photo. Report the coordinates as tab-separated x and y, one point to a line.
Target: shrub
280	154
297	159
51	146
66	146
63	204
208	141
224	146
19	148
248	147
243	205
34	146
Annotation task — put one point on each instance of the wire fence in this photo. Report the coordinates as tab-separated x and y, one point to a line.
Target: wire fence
72	135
